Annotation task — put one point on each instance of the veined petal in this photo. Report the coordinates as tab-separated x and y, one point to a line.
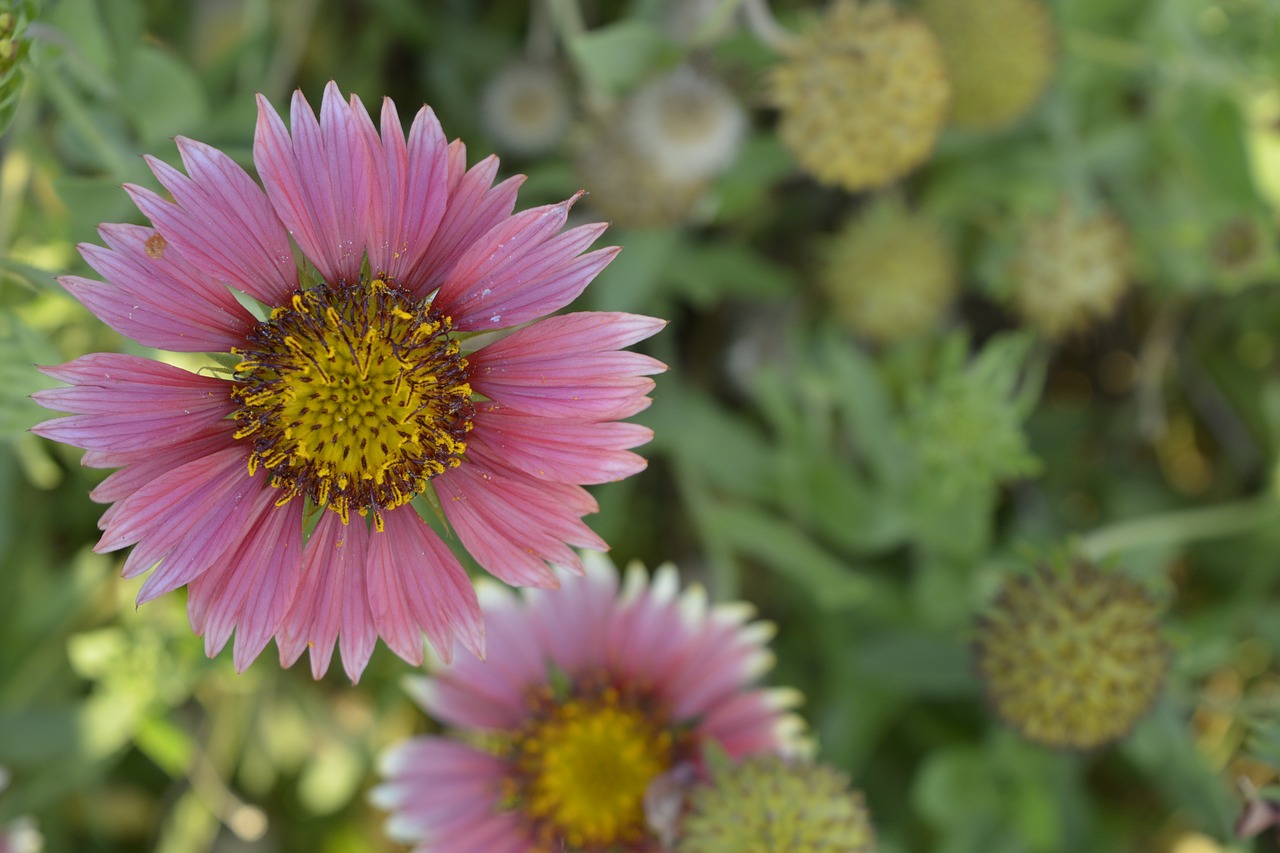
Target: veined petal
417	586
564	450
332	602
569	366
319	180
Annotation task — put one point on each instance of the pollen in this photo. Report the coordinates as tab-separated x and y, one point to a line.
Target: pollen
583	768
353	396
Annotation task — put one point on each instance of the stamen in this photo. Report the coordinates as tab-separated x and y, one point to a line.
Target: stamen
354	396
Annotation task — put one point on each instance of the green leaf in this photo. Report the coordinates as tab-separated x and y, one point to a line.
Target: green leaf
162	96
616	56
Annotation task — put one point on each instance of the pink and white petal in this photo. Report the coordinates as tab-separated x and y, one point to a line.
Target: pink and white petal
416	585
745	723
566	451
332	601
199	486
475	207
648	635
319	180
513	526
252	592
568	366
572	623
412	188
469	701
725	657
520	270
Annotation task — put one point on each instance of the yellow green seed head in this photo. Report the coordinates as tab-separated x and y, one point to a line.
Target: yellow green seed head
889	273
863	95
767	804
1071	659
1070	270
999	55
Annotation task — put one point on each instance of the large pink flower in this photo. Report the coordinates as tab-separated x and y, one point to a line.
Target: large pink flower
354	394
589	696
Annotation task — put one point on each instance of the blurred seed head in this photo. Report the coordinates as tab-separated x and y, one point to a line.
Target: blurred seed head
686	124
1070	270
889	273
623	186
526	109
999	55
863	95
769	803
1071	658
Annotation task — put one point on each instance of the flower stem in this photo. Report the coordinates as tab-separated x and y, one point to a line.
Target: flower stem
1179	527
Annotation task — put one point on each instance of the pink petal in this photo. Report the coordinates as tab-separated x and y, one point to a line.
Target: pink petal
567	451
513	525
141	467
252	592
200	486
229	227
132	404
416	585
411	184
332	600
319	181
568	366
520	270
475	207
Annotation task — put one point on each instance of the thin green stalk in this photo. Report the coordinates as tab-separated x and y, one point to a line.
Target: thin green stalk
1180	527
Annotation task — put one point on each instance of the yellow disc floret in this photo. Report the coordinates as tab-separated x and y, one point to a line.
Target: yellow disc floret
584	765
1071	659
863	95
767	804
889	274
999	54
354	396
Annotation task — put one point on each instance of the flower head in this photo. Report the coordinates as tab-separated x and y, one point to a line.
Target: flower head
1070	270
770	804
525	108
1071	658
353	398
999	56
889	273
591	695
625	186
686	124
863	95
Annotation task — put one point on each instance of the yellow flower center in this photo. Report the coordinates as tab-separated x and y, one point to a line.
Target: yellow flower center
584	769
354	396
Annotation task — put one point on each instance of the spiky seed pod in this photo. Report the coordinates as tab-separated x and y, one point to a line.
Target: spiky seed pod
999	53
889	273
525	108
863	95
623	186
1071	659
1071	268
687	124
767	804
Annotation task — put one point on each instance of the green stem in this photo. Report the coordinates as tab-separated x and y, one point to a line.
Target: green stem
1175	528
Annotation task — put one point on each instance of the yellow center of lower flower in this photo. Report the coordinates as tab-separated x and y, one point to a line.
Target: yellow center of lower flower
354	396
584	770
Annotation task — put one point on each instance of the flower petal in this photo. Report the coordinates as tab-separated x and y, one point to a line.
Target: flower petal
319	181
332	601
568	366
416	585
559	449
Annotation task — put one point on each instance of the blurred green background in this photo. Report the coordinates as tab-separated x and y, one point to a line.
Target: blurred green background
866	496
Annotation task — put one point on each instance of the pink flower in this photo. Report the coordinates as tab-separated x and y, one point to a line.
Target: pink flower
353	395
590	699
